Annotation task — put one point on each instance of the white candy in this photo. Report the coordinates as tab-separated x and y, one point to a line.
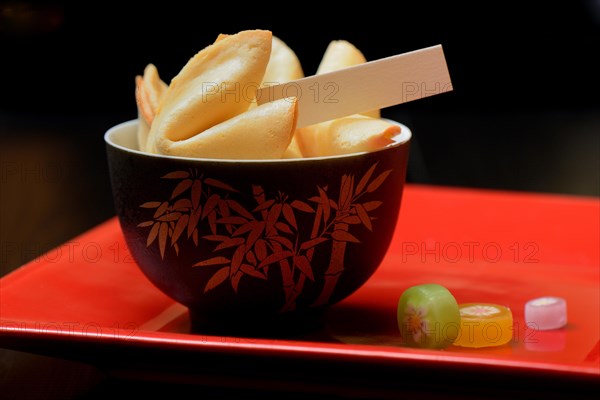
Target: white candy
545	313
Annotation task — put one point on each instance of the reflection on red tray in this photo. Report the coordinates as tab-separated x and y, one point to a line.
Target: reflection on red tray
495	247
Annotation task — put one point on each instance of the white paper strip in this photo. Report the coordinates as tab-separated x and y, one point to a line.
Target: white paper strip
376	84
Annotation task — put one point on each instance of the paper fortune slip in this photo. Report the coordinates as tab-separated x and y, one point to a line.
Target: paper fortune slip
372	85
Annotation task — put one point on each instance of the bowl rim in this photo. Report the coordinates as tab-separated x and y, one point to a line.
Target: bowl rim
402	139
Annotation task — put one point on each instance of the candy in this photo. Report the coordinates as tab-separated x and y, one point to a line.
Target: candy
546	313
483	325
428	317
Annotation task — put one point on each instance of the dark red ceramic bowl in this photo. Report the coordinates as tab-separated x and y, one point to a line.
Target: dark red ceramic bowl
256	238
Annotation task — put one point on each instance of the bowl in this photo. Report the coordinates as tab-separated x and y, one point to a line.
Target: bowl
245	240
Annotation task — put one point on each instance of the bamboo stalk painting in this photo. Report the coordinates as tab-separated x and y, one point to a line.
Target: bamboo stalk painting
248	243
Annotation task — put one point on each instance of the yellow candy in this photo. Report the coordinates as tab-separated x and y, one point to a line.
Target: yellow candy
483	325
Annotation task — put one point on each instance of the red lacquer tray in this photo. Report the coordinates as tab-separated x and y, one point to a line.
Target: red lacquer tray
87	299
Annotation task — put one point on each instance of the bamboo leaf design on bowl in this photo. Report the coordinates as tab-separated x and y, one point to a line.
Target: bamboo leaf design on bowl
250	242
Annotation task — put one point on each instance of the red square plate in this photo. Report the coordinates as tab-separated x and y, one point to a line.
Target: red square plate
87	300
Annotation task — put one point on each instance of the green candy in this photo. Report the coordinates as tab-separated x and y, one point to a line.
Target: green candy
428	317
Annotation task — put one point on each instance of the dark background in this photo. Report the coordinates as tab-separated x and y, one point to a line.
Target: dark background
70	60
524	114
